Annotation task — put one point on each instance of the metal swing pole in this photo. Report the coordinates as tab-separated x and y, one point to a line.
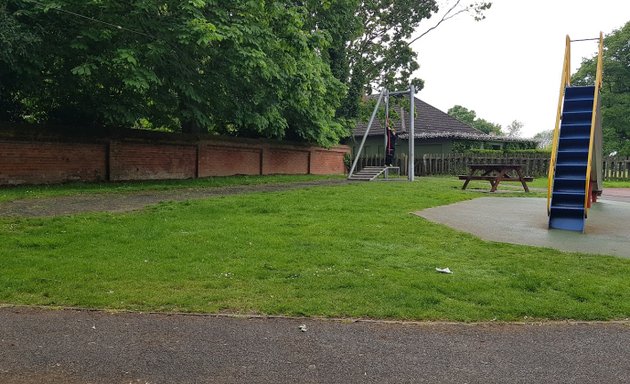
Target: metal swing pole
412	137
365	135
385	131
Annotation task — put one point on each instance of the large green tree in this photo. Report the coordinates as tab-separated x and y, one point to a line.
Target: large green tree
16	43
272	68
469	117
615	89
243	67
371	40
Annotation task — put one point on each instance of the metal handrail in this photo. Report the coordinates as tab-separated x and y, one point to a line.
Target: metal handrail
598	85
565	81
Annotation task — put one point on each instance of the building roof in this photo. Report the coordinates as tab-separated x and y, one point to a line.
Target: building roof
430	123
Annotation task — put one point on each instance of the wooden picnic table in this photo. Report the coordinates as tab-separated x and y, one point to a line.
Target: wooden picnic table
495	174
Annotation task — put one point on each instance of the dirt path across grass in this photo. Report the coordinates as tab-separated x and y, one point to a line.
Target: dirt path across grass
123	202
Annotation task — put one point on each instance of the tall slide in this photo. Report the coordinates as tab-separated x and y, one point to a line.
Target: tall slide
575	168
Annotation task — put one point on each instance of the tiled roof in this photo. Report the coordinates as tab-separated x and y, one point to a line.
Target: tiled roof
431	123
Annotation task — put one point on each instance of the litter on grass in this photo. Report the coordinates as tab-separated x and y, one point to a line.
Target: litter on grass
444	270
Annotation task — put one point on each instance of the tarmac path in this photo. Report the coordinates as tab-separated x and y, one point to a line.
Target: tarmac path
73	346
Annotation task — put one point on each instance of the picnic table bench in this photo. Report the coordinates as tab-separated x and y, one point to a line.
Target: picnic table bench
495	174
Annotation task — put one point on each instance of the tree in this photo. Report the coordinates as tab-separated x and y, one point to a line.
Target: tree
16	41
544	139
463	114
514	129
469	117
239	67
371	40
271	68
615	93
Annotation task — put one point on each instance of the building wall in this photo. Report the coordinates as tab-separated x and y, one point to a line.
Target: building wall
144	156
375	147
430	148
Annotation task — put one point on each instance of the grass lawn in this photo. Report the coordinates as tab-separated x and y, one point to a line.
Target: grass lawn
617	184
339	251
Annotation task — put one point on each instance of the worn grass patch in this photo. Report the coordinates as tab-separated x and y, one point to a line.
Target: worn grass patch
343	251
43	191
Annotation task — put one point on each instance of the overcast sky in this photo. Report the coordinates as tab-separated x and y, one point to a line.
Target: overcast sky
508	66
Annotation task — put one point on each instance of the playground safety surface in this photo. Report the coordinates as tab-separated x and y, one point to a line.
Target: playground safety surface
522	220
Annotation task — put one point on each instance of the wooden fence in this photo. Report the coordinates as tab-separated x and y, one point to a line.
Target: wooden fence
616	168
535	164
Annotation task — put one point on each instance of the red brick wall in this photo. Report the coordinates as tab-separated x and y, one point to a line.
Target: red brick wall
286	161
147	161
33	161
48	162
218	160
326	162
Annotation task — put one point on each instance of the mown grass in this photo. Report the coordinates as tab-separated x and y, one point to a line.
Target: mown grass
43	191
617	184
345	251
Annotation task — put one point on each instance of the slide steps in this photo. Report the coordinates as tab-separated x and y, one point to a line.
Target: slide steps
569	186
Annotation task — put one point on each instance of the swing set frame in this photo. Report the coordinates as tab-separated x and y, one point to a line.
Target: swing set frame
385	94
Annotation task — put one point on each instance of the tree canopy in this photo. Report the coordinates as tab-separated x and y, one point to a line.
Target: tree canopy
469	117
615	91
238	66
371	40
544	139
263	68
514	129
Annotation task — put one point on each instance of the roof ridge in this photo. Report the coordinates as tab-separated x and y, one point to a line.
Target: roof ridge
429	119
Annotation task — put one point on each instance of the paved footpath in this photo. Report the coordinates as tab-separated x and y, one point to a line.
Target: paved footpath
67	346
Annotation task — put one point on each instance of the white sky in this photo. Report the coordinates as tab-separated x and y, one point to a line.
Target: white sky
508	66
